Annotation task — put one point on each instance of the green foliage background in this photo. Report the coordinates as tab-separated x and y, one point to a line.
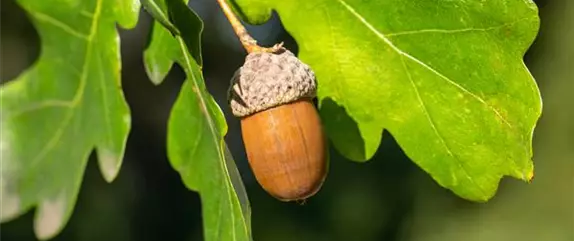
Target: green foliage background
386	199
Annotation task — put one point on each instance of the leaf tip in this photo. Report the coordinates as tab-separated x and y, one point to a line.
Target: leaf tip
526	175
109	164
530	176
49	218
154	73
10	207
11	204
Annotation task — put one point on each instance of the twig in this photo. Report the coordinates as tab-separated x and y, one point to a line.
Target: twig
246	40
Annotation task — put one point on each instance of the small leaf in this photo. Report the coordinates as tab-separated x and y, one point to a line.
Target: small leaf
163	50
196	128
68	103
445	78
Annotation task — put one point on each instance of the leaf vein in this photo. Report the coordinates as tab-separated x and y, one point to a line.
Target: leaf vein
61	25
217	224
391	44
105	104
461	30
437	133
79	92
194	148
231	190
40	105
202	103
209	120
86	14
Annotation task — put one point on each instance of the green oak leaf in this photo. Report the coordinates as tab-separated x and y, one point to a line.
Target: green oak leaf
445	78
57	111
196	130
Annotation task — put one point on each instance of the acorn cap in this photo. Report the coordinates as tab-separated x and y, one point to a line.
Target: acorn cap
267	80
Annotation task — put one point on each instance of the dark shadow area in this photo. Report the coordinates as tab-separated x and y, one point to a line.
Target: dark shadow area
342	130
189	25
166	207
20	41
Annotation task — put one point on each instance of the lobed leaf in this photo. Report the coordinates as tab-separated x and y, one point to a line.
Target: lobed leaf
57	111
445	78
196	128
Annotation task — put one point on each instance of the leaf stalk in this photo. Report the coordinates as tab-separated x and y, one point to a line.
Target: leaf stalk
248	42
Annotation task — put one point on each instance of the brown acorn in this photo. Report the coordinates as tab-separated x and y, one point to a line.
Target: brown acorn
272	95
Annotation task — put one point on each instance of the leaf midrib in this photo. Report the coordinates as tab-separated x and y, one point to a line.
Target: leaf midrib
399	51
436	131
464	90
78	96
214	133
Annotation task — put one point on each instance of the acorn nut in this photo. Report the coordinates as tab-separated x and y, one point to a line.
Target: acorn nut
272	95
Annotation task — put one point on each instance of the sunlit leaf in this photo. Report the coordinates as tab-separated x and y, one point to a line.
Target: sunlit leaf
445	78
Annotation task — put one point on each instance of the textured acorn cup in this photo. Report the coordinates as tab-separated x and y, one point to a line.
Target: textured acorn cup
272	95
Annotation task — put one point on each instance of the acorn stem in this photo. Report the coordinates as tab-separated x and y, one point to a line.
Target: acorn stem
246	40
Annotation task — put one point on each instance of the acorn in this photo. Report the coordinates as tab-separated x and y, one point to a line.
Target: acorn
272	95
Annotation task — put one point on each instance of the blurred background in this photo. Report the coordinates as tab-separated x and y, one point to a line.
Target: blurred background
388	198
